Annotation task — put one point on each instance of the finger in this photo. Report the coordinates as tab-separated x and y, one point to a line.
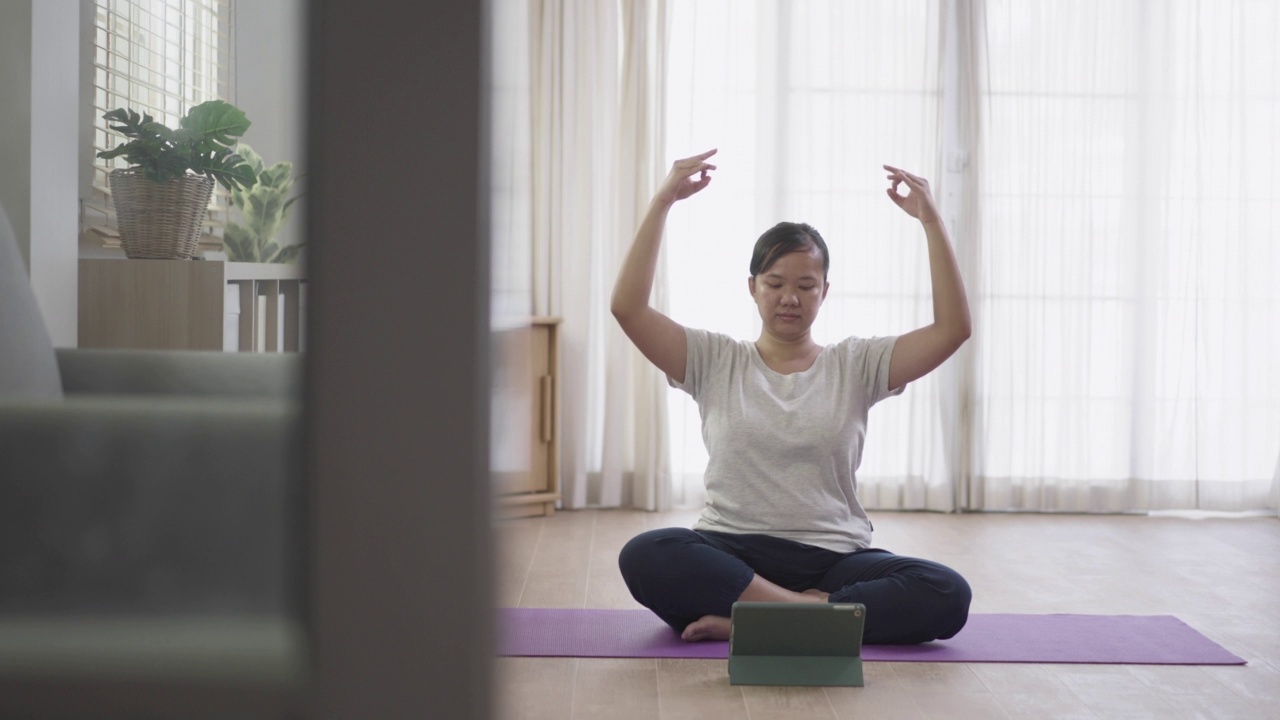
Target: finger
894	170
703	171
897	199
917	181
699	184
905	174
913	183
704	168
691	170
916	178
696	159
691	165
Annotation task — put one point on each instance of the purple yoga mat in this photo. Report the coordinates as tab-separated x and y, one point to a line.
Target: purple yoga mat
1109	639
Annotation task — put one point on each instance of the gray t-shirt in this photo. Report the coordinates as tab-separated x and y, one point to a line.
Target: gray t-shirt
784	448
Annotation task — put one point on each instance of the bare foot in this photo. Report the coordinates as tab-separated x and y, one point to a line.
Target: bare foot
707	627
761	590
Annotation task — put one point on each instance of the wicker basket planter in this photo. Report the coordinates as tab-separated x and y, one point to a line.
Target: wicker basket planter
159	220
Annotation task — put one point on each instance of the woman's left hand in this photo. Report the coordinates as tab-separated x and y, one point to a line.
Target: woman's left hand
918	202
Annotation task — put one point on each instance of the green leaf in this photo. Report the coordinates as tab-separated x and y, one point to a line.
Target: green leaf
277	176
158	130
218	120
267	252
164	172
264	208
224	167
119	150
185	136
264	212
237	243
238	195
131	123
236	175
251	158
288	254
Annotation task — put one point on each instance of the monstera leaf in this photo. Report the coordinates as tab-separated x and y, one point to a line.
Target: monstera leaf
227	168
216	121
202	144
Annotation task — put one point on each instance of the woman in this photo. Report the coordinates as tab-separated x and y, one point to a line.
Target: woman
784	419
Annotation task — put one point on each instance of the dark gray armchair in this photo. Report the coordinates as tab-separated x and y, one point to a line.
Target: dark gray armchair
142	483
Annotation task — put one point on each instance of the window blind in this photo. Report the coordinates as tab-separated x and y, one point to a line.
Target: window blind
158	57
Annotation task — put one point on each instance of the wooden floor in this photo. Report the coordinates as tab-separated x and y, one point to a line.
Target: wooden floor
1220	576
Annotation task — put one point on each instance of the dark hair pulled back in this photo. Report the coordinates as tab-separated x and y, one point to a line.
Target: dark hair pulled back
784	238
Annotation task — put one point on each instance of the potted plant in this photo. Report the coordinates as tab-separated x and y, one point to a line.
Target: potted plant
264	207
162	197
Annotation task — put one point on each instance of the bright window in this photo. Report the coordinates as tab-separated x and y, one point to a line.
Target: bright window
158	57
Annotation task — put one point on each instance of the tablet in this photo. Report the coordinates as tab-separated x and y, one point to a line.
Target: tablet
796	644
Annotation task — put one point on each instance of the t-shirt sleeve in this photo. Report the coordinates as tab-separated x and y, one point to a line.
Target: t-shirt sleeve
871	358
704	350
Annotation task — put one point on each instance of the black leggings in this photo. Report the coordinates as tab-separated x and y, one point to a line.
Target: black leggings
682	575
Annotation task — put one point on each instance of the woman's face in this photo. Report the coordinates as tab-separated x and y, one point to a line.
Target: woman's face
790	292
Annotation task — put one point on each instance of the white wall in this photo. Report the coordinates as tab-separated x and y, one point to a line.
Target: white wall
54	164
269	87
15	118
39	81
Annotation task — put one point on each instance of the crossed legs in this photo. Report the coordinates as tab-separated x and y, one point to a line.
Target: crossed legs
691	579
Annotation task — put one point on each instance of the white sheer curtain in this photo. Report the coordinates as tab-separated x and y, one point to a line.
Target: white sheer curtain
805	102
596	74
1112	170
1129	290
511	240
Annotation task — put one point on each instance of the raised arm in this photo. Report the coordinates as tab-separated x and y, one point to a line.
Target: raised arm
658	337
918	352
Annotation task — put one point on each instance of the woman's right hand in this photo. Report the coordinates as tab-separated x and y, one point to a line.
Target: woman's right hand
680	182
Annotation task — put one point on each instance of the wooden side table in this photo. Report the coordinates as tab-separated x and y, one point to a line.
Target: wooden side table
184	305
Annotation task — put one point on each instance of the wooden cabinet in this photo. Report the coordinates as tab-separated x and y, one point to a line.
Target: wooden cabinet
190	305
526	418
